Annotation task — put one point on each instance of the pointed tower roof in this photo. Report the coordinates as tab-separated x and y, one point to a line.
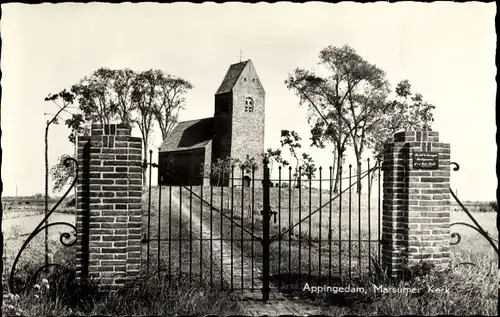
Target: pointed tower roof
232	75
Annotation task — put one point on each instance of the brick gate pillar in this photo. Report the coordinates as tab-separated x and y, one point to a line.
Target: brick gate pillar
416	203
109	193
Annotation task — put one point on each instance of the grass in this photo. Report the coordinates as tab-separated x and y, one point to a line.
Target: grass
472	289
151	294
148	295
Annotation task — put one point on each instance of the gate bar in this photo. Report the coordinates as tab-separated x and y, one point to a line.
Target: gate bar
340	221
159	228
253	211
232	227
320	222
369	219
149	208
358	187
300	226
180	232
191	226
279	226
265	233
329	231
290	232
350	218
170	230
378	200
241	232
310	226
201	227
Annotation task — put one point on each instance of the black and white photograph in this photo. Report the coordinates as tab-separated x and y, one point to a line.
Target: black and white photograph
263	159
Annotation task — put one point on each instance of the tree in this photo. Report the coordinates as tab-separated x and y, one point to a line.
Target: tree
406	112
78	126
95	96
218	170
308	167
325	100
249	165
104	96
221	168
122	86
321	133
291	140
345	105
62	100
366	103
274	156
400	115
143	98
62	174
67	99
170	100
130	97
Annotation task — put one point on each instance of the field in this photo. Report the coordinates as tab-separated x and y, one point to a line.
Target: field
476	206
186	286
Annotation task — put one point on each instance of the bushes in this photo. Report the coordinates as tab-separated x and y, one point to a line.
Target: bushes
494	205
71	202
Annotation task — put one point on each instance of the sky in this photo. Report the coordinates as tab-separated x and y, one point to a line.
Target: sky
445	50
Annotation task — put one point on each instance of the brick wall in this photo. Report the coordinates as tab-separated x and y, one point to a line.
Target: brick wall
416	203
109	205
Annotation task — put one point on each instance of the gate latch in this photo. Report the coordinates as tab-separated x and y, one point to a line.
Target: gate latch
274	213
271	213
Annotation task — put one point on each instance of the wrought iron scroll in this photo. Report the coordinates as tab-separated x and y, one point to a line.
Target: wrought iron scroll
477	227
64	238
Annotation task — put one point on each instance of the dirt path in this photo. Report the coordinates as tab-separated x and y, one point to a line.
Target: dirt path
222	248
241	267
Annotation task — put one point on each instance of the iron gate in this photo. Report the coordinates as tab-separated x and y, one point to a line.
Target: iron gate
264	234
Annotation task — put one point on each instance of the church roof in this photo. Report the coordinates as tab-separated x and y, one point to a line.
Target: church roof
189	135
231	77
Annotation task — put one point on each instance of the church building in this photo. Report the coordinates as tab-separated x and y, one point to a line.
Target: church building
236	130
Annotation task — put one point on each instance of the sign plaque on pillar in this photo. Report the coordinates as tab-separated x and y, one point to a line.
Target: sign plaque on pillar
425	160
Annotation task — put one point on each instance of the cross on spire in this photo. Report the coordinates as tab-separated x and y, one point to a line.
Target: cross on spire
241	55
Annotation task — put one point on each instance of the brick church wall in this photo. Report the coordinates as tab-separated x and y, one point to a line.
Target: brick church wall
248	127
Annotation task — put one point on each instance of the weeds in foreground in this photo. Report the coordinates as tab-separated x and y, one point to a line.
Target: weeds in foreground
58	294
55	292
457	289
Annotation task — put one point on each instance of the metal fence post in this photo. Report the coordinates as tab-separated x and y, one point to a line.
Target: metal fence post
265	233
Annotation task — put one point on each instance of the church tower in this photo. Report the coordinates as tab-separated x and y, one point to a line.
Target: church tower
239	116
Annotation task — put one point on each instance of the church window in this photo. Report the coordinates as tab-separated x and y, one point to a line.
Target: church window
249	105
